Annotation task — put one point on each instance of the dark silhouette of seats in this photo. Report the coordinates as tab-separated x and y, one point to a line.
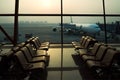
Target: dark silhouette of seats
38	53
31	59
23	67
91	51
98	55
106	63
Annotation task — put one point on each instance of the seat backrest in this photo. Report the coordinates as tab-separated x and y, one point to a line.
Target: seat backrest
35	43
21	60
82	39
6	61
21	44
95	48
109	56
92	42
30	48
9	53
29	40
26	54
38	40
87	43
15	49
101	51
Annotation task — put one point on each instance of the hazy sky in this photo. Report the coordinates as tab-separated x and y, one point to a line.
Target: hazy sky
53	7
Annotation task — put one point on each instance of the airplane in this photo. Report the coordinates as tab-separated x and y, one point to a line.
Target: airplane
76	28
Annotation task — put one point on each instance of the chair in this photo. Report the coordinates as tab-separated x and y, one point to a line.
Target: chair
80	46
99	54
6	62
74	43
106	61
38	53
35	53
21	44
30	39
89	42
31	59
24	67
91	51
37	46
7	66
42	43
15	49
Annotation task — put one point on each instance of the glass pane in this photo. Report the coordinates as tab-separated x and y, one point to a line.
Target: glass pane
75	27
7	6
82	6
113	29
39	6
8	25
39	26
112	6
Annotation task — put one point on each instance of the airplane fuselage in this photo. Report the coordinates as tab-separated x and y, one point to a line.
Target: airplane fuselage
75	28
88	28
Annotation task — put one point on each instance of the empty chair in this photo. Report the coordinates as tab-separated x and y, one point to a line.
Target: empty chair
35	53
18	47
79	46
106	62
31	59
99	54
6	64
29	40
38	53
89	42
26	67
74	43
21	44
15	49
37	46
42	43
92	51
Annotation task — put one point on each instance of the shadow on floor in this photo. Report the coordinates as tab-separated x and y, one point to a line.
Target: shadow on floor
83	69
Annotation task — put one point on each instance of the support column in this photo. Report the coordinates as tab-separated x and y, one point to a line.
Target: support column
16	22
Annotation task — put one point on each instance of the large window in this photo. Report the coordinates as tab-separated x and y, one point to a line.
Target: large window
47	13
82	6
7	24
40	6
81	26
41	26
7	9
112	6
7	6
113	29
60	21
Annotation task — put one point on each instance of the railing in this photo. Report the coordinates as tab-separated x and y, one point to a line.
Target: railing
5	33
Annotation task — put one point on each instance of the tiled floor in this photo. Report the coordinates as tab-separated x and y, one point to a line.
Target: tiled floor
72	68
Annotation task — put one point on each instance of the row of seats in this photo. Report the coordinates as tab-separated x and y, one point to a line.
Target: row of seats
27	58
99	58
85	42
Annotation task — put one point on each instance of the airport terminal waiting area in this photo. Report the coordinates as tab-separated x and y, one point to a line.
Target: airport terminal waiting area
33	58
